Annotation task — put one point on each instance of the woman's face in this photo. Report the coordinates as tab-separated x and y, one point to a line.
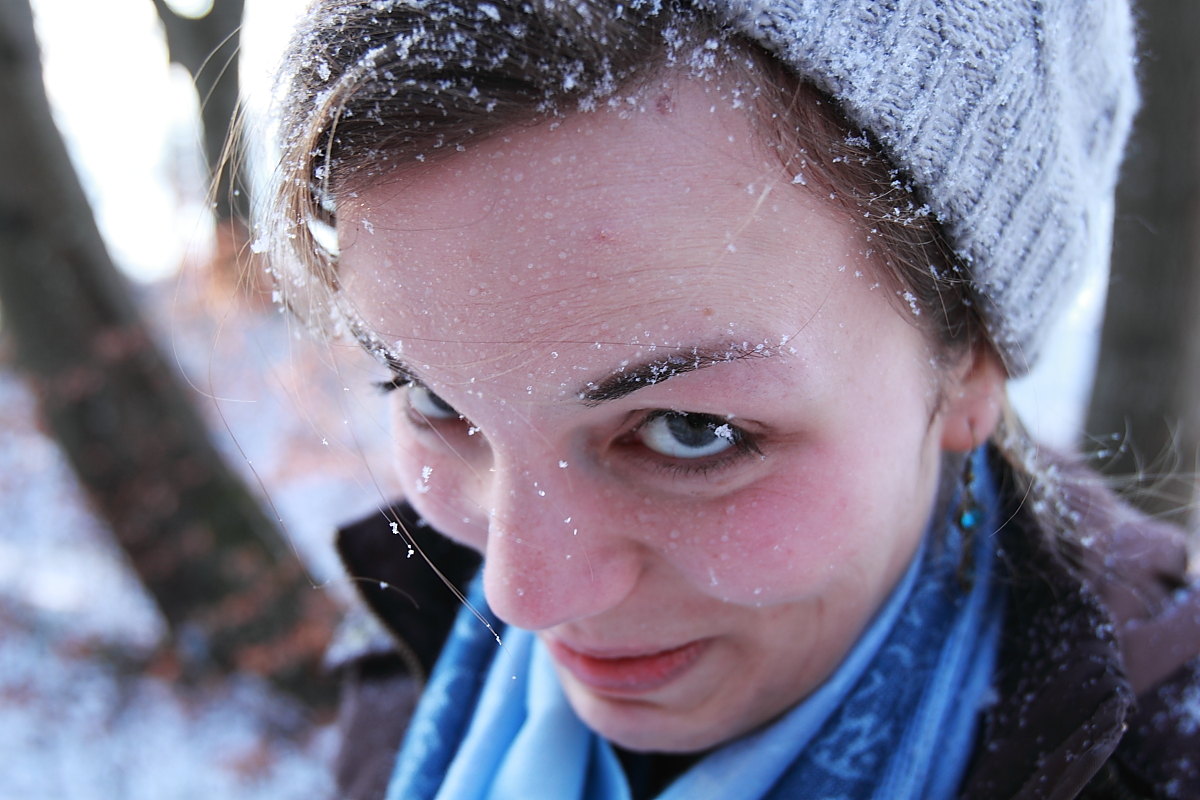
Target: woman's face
661	388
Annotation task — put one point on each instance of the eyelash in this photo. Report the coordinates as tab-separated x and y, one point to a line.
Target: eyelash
415	416
397	382
744	444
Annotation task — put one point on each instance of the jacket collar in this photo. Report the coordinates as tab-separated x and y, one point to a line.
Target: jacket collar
1062	697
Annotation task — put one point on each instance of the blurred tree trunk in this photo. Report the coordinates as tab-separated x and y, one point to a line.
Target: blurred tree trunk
1147	390
208	48
234	594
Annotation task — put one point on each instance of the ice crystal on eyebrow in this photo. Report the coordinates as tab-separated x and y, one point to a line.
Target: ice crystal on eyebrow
625	381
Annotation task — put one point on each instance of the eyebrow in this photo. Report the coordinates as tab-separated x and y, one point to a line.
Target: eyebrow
381	352
631	377
625	381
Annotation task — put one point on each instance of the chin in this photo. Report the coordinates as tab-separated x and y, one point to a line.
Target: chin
643	725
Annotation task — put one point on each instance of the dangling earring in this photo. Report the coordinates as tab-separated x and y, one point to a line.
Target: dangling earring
968	517
969	513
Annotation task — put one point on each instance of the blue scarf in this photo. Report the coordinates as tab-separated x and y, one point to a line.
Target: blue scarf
894	722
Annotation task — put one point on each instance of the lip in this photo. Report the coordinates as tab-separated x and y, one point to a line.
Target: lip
627	674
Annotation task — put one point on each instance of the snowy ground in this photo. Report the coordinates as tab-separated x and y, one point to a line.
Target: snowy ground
75	725
80	718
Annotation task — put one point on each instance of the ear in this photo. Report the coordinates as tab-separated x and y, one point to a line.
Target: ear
972	400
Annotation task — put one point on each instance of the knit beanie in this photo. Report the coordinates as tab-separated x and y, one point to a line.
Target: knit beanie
1010	115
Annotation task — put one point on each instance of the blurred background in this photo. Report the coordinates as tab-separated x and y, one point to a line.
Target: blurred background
175	455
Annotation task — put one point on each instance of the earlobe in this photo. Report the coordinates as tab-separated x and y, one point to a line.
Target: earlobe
972	402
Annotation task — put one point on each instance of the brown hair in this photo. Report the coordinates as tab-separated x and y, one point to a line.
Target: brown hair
380	89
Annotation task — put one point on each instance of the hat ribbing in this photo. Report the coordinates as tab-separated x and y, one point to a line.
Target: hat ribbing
1011	117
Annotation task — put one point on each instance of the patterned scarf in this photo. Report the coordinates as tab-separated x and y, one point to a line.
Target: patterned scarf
894	722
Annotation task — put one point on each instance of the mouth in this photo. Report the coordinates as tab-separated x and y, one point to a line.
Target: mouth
627	674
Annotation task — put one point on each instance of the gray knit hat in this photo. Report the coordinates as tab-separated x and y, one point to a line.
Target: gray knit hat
1010	115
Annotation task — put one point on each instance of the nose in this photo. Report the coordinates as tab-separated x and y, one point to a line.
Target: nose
555	552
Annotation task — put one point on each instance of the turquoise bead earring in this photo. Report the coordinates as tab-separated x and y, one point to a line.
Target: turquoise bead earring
969	515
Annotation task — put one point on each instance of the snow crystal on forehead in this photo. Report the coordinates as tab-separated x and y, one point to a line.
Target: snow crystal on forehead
350	65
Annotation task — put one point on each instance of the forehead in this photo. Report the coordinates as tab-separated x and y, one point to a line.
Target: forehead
661	223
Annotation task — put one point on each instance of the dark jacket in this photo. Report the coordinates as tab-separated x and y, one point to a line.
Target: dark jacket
1098	684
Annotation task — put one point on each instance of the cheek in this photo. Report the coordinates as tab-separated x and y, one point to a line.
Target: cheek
441	485
832	519
781	540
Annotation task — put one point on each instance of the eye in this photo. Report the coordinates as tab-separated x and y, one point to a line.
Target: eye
428	404
679	435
